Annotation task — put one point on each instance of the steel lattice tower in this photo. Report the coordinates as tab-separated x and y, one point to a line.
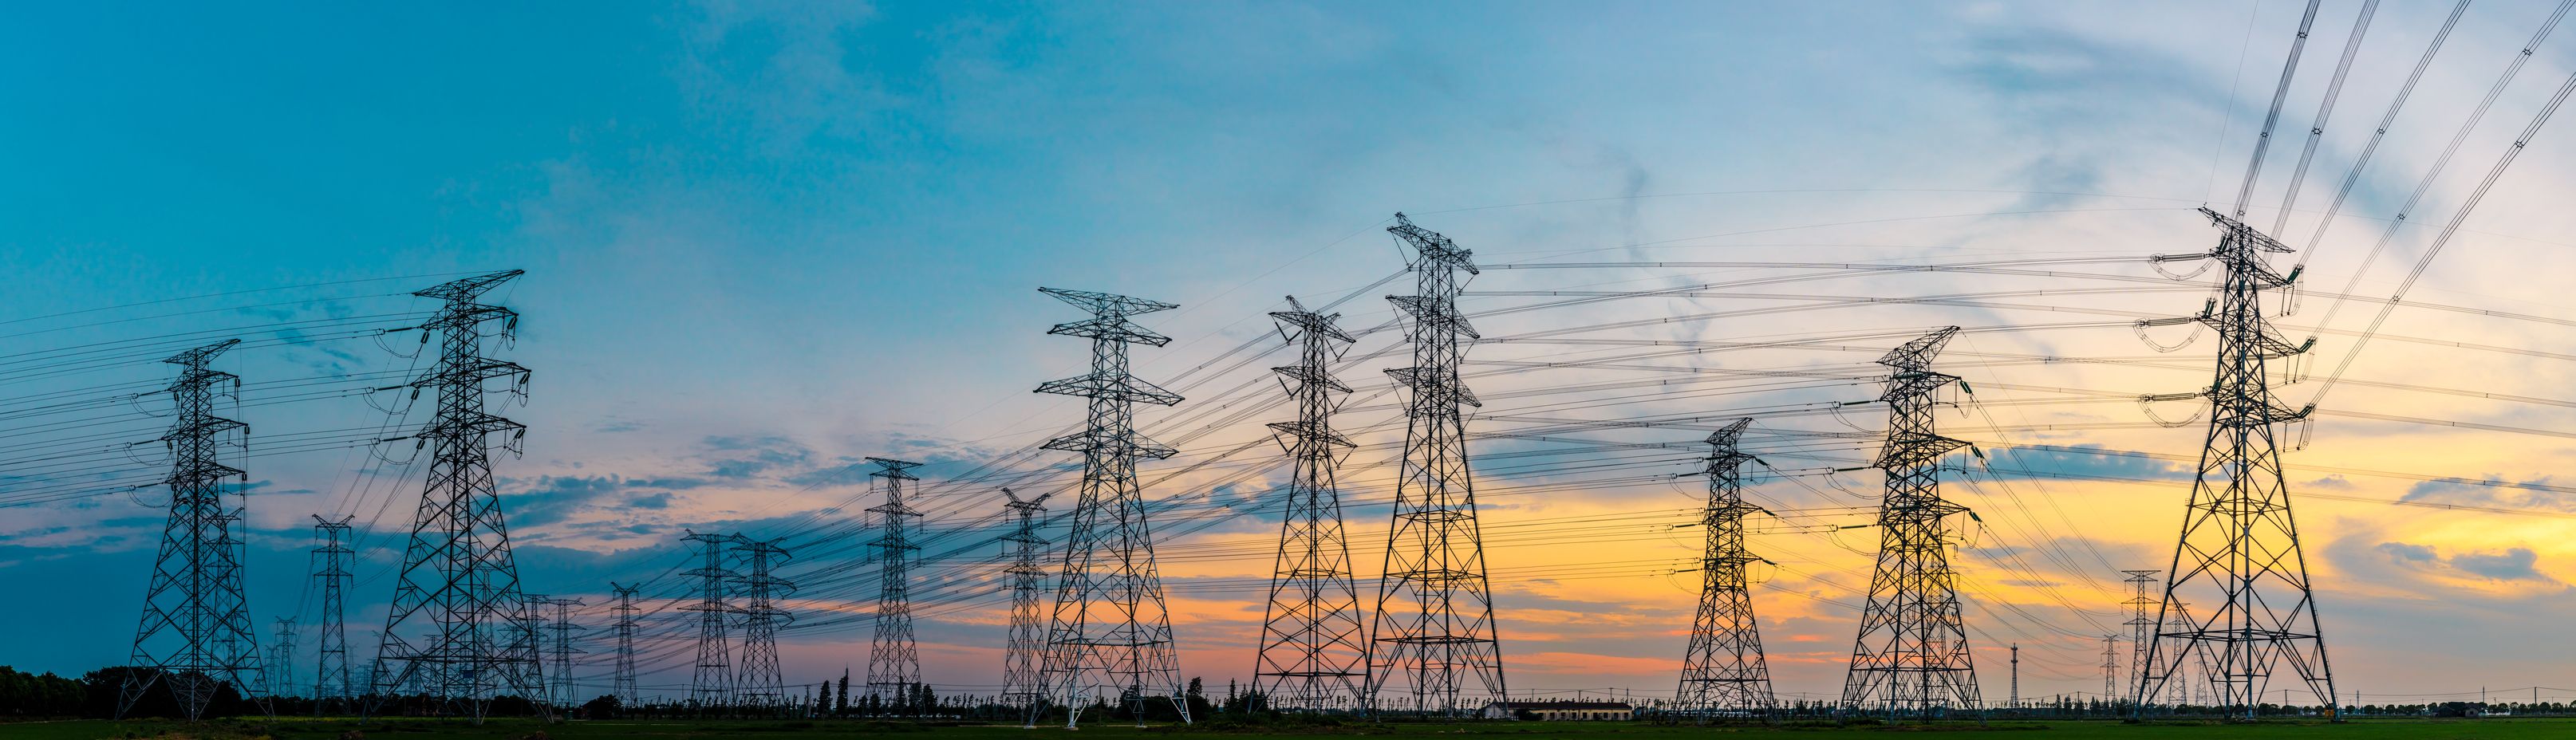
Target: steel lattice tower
1723	672
331	570
1314	642
1111	634
281	658
195	634
711	687
1022	683
2239	548
894	665
622	683
1434	627
561	652
459	587
760	680
2142	622
2110	667
1912	656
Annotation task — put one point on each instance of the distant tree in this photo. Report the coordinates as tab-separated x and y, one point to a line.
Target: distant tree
842	705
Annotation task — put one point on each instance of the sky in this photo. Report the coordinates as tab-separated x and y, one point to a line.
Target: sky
764	241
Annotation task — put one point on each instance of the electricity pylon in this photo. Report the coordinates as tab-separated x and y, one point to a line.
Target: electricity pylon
458	594
281	658
2142	621
711	686
1313	653
195	634
1912	657
2239	550
894	664
331	571
2110	668
622	682
1723	671
1022	683
1434	626
762	683
561	651
1110	637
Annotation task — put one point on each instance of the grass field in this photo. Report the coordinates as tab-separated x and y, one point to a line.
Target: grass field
516	729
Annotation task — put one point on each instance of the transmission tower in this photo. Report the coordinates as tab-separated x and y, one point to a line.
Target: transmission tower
2110	668
331	563
711	688
1912	656
2239	548
761	682
561	651
195	634
1723	672
1434	630
459	591
894	665
2016	677
1314	644
1111	635
2142	620
281	658
622	685
1022	683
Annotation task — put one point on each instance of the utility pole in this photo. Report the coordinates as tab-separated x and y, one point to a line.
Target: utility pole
458	590
1314	643
1723	671
1434	627
1022	683
562	652
763	684
331	570
1111	634
281	658
2016	676
622	684
1912	657
894	664
2239	548
711	687
195	635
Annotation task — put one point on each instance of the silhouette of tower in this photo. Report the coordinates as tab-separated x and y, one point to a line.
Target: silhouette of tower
561	650
1314	643
1912	656
1022	683
2239	548
457	599
1723	672
1434	627
281	658
622	683
762	684
711	687
894	665
331	561
1111	635
195	634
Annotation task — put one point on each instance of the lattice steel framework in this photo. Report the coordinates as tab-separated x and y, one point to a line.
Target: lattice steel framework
762	684
1723	672
2239	549
447	633
2142	621
1434	626
1110	637
331	561
1023	684
560	651
1912	657
622	679
894	663
1313	653
195	634
281	657
2110	667
711	686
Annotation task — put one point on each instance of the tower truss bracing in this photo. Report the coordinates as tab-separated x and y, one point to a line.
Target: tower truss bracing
622	678
559	652
763	685
1723	672
1314	644
2142	622
1110	637
1433	637
1912	658
894	663
711	686
331	561
2239	555
195	635
1022	683
449	633
281	658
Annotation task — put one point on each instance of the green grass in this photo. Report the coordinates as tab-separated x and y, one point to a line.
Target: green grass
521	729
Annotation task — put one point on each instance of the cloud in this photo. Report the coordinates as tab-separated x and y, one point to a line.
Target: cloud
2408	553
656	501
2512	564
2083	461
2493	490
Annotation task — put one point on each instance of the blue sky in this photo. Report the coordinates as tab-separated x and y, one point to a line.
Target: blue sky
766	239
